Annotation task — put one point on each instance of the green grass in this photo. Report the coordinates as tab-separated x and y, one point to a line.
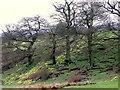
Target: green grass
16	72
100	84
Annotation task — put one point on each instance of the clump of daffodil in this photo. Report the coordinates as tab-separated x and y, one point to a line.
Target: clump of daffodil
27	82
114	78
19	82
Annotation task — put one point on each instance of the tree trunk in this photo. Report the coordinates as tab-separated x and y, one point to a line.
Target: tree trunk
30	59
68	57
90	50
30	52
118	48
53	50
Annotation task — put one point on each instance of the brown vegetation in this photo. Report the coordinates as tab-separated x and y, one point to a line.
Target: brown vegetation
43	75
47	87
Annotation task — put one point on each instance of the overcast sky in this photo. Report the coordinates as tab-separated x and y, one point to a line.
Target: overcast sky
11	11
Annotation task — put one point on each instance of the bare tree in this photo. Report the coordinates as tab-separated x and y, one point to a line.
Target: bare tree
90	14
26	31
67	14
113	7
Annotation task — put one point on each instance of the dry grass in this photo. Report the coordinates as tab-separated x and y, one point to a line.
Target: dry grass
48	87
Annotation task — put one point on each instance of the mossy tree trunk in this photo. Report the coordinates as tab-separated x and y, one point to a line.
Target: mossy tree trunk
53	49
68	57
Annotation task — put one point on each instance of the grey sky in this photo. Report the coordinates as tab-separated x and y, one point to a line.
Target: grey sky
11	11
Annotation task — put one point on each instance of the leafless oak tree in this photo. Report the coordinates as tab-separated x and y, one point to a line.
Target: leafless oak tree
67	14
26	31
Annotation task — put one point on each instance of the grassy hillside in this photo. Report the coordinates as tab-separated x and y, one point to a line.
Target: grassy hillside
104	73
